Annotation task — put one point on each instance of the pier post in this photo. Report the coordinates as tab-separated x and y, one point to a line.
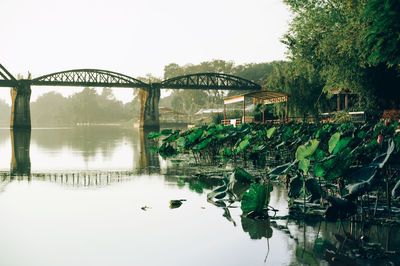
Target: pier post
20	106
149	114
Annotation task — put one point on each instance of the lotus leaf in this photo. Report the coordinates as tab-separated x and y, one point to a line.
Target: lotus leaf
304	164
203	144
243	176
194	136
270	132
243	144
154	135
341	144
166	132
333	141
306	150
256	199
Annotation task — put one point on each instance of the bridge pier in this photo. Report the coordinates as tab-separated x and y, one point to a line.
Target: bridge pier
149	114
20	106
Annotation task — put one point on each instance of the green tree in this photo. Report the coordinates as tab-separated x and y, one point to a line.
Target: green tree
50	109
329	36
382	34
84	106
303	85
189	101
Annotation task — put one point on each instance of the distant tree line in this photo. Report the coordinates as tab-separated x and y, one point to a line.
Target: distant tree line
5	113
87	106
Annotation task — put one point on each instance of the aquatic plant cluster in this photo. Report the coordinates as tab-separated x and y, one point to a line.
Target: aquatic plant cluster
342	164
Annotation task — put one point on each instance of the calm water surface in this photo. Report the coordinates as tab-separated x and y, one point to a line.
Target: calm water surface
77	198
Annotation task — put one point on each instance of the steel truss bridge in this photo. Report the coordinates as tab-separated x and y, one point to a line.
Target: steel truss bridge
105	78
149	93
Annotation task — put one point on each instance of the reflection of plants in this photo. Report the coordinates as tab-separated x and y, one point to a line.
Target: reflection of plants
200	182
256	228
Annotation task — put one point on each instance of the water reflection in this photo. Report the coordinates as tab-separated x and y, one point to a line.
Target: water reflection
343	244
119	169
146	156
20	158
77	149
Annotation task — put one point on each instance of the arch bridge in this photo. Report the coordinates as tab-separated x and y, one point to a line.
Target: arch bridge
149	93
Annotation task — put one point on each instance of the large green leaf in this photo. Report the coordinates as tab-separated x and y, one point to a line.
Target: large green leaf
242	176
256	199
209	132
304	164
154	135
173	137
203	144
243	144
319	170
306	150
219	136
219	127
166	132
270	132
333	141
318	155
342	144
194	135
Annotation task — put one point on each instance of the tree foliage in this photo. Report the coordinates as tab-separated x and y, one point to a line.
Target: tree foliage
87	106
302	83
382	38
346	43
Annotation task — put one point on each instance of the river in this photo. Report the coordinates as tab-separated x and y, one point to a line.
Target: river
100	196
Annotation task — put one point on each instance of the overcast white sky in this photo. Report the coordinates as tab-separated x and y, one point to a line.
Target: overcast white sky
135	37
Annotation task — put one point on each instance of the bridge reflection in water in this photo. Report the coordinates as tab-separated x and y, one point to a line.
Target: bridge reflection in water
147	162
20	159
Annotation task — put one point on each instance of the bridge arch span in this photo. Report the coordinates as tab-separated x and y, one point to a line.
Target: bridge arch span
89	78
210	81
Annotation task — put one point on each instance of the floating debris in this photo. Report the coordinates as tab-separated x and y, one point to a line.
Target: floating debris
173	204
145	208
